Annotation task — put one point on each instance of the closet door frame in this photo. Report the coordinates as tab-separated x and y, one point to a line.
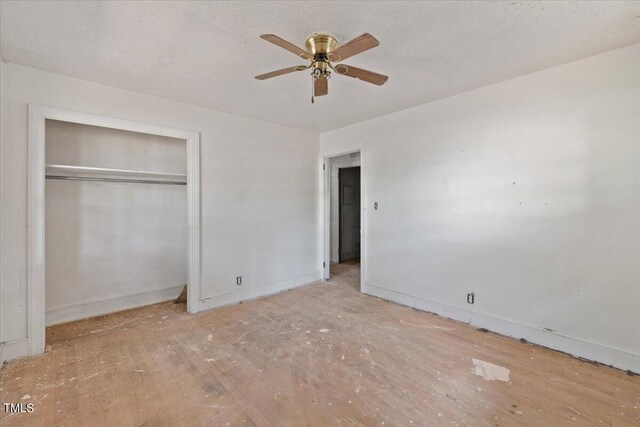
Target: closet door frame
38	114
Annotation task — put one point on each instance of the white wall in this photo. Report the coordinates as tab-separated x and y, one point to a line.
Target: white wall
335	164
259	190
112	246
527	193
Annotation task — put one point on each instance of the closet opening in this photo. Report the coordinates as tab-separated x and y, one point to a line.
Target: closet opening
116	233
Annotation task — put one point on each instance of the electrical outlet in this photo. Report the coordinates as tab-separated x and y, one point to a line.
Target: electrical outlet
471	297
239	280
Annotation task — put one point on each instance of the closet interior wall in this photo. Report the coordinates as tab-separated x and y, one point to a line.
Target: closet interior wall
111	245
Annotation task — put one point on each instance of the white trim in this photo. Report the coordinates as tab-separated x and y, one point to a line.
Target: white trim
15	349
193	222
554	340
325	211
35	240
76	311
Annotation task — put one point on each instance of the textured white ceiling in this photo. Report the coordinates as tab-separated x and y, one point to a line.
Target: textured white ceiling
206	53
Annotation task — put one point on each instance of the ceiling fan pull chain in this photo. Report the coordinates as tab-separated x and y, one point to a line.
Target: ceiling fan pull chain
312	100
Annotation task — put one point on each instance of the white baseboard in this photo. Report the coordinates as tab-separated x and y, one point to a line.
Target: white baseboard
15	349
245	294
70	313
552	339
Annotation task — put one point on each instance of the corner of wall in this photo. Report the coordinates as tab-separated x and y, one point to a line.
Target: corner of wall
15	349
268	289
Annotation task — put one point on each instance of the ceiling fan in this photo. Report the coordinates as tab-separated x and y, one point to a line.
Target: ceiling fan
322	50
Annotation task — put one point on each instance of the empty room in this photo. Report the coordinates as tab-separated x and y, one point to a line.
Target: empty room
317	213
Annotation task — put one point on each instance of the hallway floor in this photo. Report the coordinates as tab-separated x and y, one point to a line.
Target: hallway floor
322	354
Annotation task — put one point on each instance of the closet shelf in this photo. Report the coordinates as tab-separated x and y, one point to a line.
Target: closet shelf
86	173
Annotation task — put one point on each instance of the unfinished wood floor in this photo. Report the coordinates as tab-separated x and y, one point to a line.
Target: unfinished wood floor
318	355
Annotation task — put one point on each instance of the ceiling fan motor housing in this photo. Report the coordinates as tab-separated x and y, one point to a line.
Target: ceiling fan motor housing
319	45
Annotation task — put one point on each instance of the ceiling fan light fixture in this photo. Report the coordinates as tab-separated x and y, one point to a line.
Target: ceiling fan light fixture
321	50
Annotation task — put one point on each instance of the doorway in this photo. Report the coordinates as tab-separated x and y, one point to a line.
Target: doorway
349	214
38	115
343	217
115	220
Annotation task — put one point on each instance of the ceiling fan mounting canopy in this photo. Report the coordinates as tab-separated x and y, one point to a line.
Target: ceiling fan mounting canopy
321	50
320	44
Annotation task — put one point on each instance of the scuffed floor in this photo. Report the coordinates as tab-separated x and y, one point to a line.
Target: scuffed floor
323	354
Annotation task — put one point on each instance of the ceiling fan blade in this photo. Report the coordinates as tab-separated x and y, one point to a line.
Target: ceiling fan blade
286	45
359	73
353	47
281	72
320	87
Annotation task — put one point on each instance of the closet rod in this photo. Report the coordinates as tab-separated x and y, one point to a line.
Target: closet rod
86	170
125	180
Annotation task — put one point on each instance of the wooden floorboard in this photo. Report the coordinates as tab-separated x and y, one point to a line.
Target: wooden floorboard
323	354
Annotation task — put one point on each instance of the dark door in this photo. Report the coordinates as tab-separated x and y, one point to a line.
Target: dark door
349	207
